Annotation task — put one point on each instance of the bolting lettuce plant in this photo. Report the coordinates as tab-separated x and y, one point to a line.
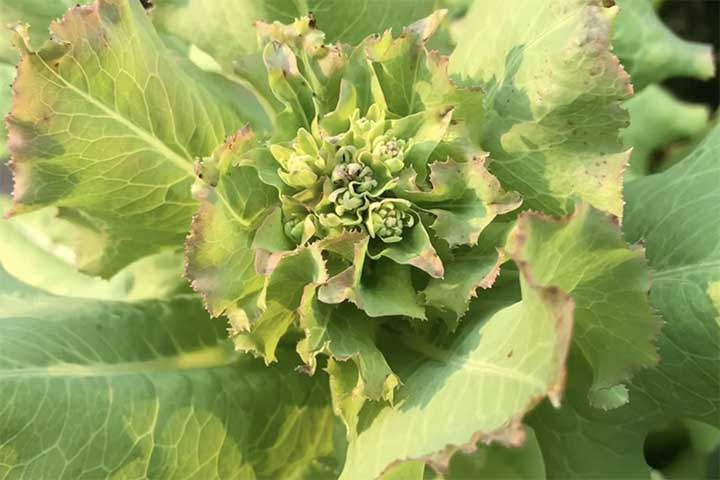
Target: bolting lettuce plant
412	264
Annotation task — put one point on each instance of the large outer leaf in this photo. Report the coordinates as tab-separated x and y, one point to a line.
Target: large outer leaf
651	52
477	387
107	126
553	99
34	249
675	213
224	28
99	389
586	256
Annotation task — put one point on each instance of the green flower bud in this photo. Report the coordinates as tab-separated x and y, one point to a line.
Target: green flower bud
391	151
388	219
356	173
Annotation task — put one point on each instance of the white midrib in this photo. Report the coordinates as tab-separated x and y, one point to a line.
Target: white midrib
183	163
209	357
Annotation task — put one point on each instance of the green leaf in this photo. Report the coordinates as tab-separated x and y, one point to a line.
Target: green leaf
346	335
581	441
651	52
656	120
469	269
553	93
96	388
220	256
107	126
279	302
474	387
208	25
415	249
586	256
464	199
674	213
500	462
34	248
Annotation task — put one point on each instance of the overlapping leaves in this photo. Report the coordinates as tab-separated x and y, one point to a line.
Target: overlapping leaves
365	221
345	202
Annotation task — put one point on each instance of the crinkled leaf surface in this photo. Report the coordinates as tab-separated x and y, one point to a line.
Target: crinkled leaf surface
358	370
651	52
657	119
675	214
586	256
107	126
280	300
469	269
476	387
553	100
95	389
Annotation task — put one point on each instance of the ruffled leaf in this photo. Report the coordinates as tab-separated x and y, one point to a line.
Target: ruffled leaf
580	441
279	301
586	256
347	336
553	93
476	387
464	199
469	269
220	257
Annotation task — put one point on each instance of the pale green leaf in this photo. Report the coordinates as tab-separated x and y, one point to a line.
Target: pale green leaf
586	256
553	93
107	126
34	248
101	389
651	52
474	387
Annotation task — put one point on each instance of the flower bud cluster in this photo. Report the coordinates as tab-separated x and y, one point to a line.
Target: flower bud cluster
344	181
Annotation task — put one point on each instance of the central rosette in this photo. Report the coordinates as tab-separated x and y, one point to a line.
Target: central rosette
345	182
